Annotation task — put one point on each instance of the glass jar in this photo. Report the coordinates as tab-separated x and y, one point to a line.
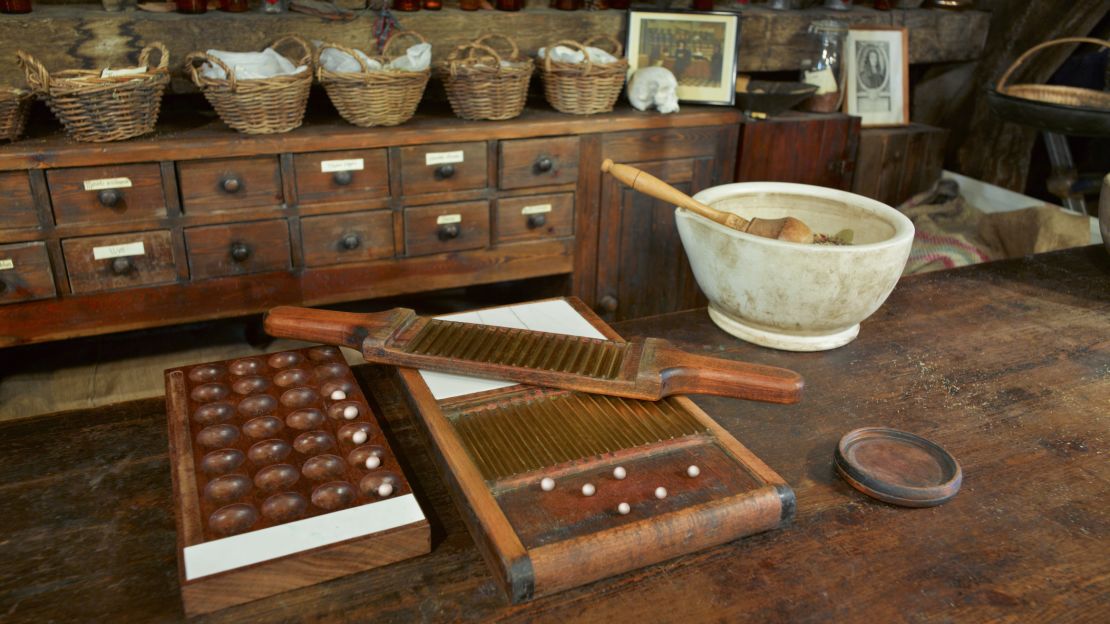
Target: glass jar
273	6
510	5
568	5
702	5
620	5
15	6
433	5
191	6
827	72
470	5
233	6
406	5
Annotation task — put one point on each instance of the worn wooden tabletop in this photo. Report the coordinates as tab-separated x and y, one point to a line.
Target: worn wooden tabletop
1007	365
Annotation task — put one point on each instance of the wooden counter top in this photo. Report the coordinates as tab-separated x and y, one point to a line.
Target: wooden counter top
1007	365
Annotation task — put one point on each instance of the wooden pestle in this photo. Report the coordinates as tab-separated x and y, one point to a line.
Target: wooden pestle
785	228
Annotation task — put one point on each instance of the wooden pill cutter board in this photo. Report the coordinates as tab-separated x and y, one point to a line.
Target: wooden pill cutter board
495	441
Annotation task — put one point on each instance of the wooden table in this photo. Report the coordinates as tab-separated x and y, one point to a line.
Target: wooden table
1007	365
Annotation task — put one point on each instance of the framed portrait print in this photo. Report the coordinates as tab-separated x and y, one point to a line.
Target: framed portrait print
698	48
876	77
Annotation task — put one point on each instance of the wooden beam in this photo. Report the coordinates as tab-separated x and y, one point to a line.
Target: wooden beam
770	40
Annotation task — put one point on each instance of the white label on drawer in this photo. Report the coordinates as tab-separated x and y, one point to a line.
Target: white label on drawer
6	263
443	158
537	209
127	71
350	164
118	251
107	183
451	218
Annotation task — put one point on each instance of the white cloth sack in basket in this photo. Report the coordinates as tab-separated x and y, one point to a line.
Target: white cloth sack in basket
250	65
563	54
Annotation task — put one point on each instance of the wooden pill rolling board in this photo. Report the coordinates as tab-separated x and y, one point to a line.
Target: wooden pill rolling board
494	442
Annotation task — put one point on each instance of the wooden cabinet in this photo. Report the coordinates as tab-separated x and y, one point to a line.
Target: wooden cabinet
334	213
806	148
641	267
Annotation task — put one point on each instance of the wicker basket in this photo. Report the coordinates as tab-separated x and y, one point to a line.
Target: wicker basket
262	105
374	98
479	87
584	88
1055	94
96	109
14	105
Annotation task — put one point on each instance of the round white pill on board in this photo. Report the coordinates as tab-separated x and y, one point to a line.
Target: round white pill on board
619	473
358	437
693	471
385	489
623	509
338	395
660	492
350	412
588	489
547	484
373	462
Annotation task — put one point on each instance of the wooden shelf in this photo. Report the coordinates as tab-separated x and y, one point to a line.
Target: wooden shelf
770	40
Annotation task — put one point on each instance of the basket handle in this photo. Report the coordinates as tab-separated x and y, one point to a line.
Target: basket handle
342	48
190	62
1037	48
570	44
163	55
618	49
306	50
37	76
514	54
401	34
454	61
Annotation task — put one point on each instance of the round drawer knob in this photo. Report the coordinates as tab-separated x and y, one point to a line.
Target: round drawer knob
445	171
448	231
544	164
231	184
609	303
109	197
240	252
536	221
342	178
122	265
350	242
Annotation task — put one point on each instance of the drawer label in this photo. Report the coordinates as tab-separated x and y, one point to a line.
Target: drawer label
6	264
446	219
349	164
443	158
107	183
537	209
118	251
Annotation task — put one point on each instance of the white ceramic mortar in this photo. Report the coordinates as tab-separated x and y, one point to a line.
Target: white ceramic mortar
793	296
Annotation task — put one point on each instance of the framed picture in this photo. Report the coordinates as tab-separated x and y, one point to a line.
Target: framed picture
877	75
698	48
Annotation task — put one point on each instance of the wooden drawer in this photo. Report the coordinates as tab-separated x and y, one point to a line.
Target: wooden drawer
97	263
532	217
538	162
352	237
443	167
341	176
112	194
448	227
238	248
17	206
25	273
215	186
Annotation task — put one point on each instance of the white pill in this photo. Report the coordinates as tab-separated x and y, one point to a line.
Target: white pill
338	395
623	509
373	462
693	471
588	489
350	412
660	492
547	484
619	473
358	437
385	490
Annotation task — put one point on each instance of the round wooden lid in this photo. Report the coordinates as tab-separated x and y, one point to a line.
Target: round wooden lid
898	467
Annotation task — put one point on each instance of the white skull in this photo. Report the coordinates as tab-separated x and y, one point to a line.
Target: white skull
653	86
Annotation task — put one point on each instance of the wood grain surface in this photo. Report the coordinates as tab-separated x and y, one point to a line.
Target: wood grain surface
1003	364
